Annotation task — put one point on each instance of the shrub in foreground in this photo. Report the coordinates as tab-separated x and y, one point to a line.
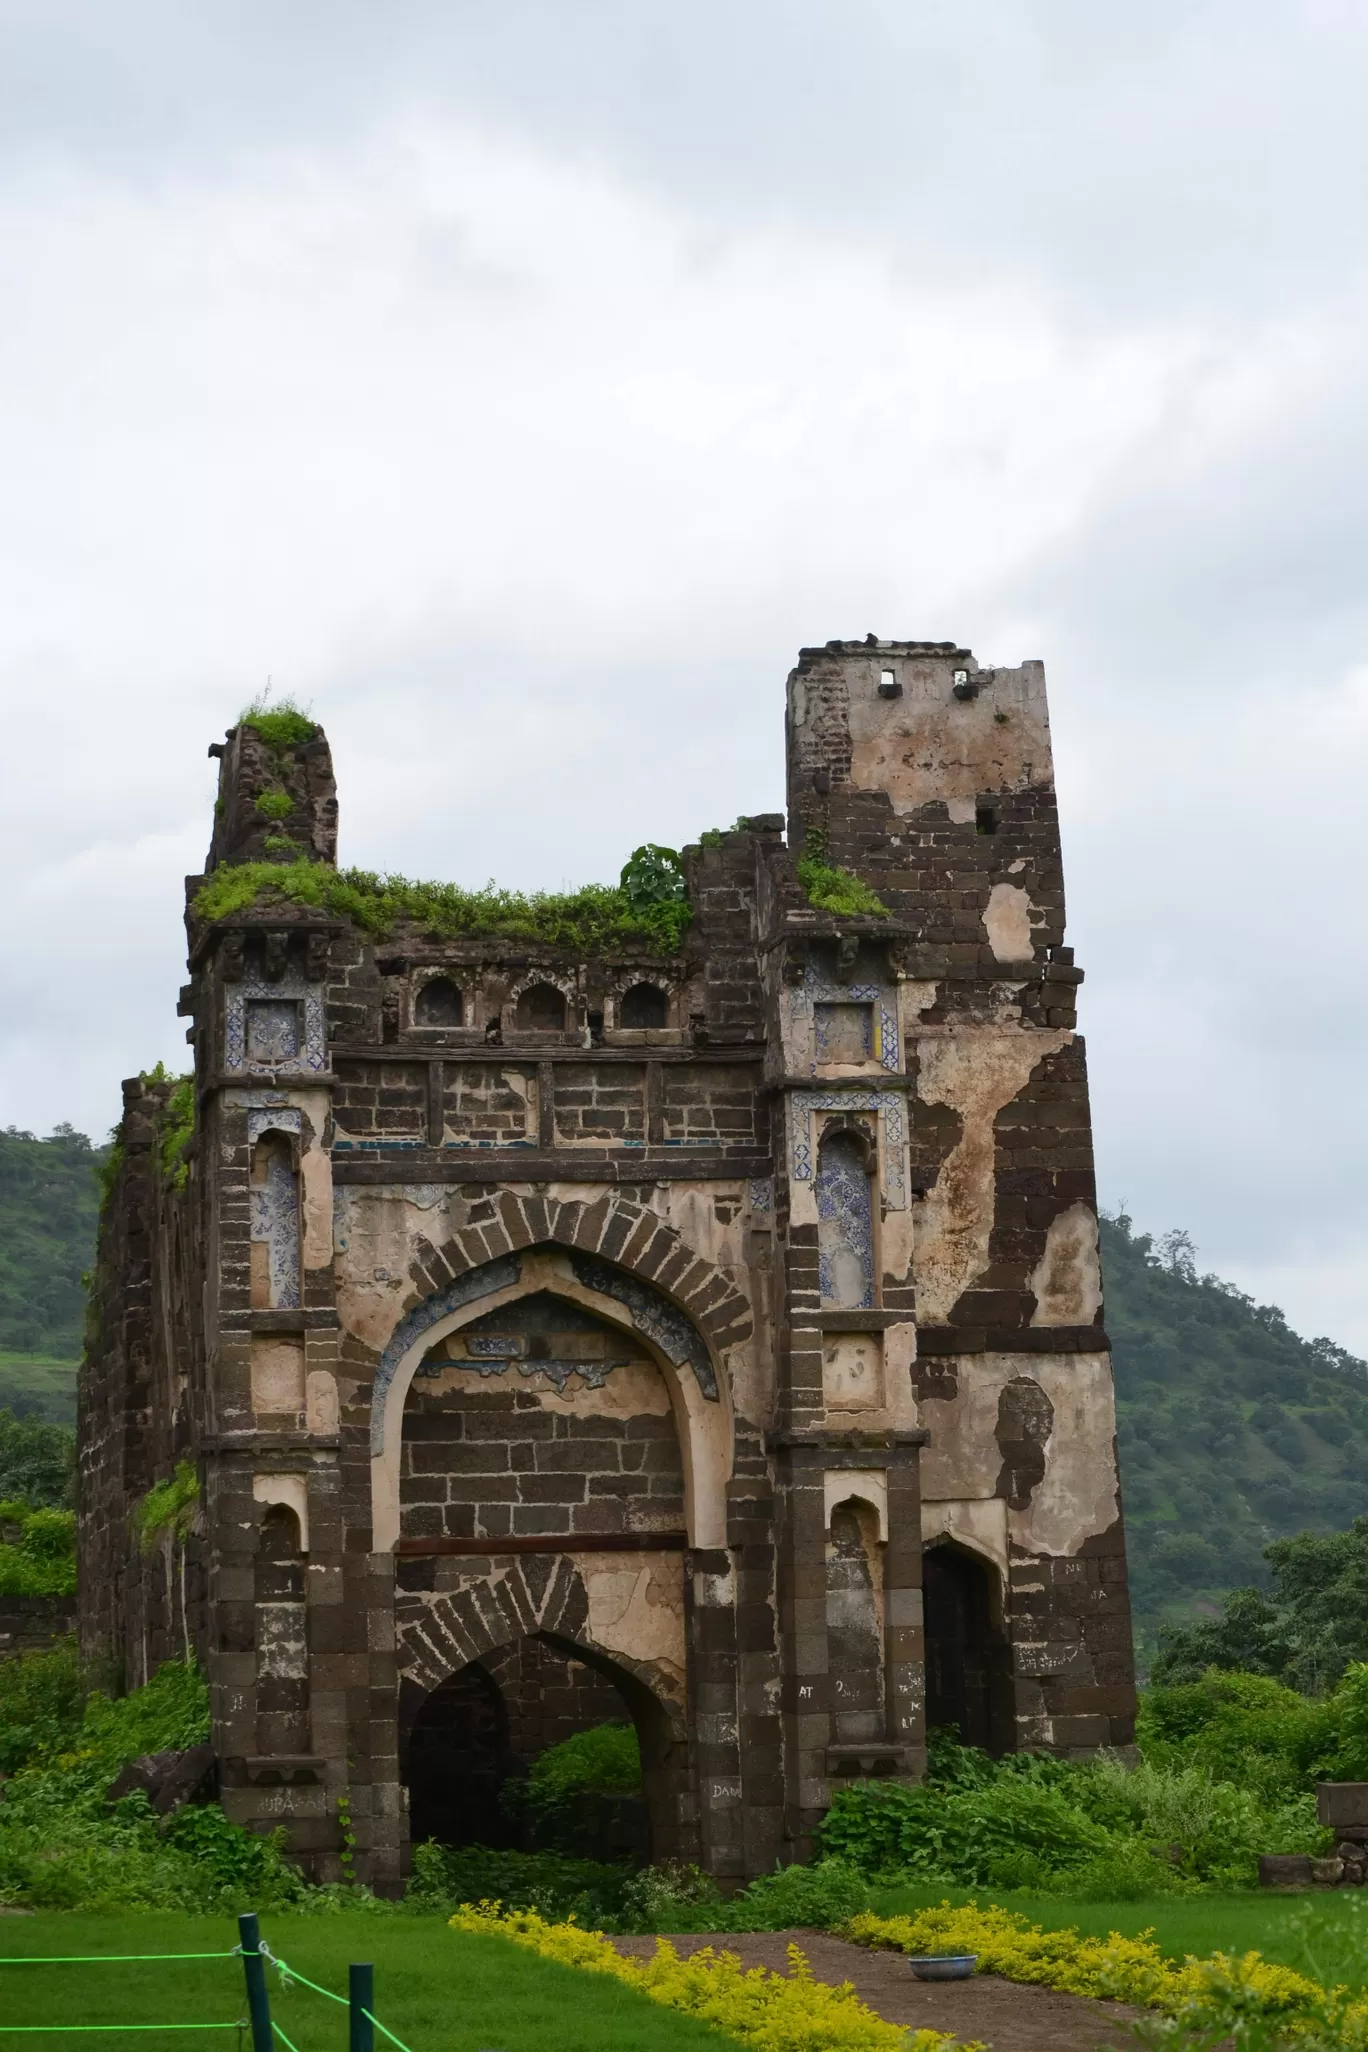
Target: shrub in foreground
773	2012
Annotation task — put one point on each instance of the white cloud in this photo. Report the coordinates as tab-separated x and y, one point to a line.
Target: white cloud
531	447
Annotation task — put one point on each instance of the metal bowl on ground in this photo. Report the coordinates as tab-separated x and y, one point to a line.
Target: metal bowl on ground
944	1966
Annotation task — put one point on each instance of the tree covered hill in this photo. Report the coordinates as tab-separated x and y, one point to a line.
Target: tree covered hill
49	1209
1233	1429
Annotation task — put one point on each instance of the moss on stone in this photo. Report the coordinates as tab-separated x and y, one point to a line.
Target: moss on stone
834	889
597	917
282	725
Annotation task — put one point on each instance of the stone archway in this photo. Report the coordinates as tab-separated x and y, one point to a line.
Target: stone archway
544	1596
617	1259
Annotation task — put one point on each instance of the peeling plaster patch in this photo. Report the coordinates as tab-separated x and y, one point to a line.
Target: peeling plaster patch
927	746
917	997
1007	922
277	1368
980	1526
1068	1278
976	1072
638	1610
1076	1498
321	1406
961	811
852	1371
1025	1421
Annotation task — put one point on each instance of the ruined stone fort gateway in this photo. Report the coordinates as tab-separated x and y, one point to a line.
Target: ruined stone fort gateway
707	1331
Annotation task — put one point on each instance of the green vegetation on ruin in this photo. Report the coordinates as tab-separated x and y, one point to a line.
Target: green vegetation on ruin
176	1129
598	917
833	889
281	722
275	804
168	1509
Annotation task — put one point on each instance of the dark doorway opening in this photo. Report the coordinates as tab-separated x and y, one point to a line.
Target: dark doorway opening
484	1726
968	1660
458	1759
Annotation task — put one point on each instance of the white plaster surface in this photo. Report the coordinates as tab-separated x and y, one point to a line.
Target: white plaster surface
980	1524
277	1372
1067	1279
1007	923
928	744
636	1607
320	1401
1078	1495
852	1371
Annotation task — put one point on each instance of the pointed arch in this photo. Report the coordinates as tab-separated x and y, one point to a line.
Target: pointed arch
619	1261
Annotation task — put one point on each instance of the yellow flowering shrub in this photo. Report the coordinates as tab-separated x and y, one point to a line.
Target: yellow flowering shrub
771	2012
1121	1969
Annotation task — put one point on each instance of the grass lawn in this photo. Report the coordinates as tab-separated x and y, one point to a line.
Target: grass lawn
437	1989
1324	1934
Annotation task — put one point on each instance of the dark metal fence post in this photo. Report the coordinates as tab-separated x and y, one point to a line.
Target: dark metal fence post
254	1966
361	1998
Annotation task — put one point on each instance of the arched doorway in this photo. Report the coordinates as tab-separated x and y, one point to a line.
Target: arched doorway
485	1726
968	1658
455	1762
542	1532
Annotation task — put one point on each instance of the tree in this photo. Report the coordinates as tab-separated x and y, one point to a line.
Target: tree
1305	1634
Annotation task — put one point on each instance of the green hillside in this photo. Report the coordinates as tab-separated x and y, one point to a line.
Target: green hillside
1233	1429
49	1206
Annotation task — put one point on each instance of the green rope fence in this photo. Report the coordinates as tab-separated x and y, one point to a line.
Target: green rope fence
256	1956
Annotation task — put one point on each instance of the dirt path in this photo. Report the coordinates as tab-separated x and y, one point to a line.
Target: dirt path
1006	2015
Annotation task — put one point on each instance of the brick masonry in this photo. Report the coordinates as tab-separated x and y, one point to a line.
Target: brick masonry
633	1369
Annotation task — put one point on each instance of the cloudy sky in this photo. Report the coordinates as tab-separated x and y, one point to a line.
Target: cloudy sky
522	385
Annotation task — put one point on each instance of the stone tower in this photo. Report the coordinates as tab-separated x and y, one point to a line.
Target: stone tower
711	1337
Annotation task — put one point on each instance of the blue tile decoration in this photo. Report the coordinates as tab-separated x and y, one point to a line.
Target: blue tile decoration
257	1036
815	991
498	1356
275	1221
652	1314
888	1103
760	1193
845	1224
273	1031
502	1274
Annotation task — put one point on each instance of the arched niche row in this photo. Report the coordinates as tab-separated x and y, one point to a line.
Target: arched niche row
540	1008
